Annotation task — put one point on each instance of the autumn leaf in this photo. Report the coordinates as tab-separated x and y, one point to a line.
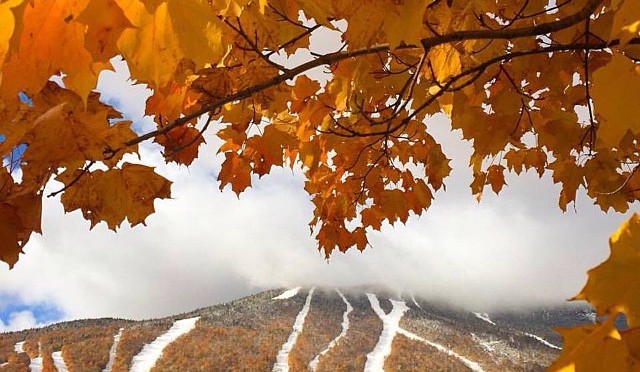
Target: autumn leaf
181	144
594	347
49	30
115	194
615	100
613	286
236	170
160	39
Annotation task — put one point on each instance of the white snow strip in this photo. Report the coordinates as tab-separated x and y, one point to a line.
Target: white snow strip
58	362
282	360
543	341
19	347
287	294
485	317
413	298
150	353
390	326
36	363
112	351
345	327
470	364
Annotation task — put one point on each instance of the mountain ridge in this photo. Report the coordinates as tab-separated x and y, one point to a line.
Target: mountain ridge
317	329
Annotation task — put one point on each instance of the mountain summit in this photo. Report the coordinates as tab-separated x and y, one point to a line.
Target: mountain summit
299	330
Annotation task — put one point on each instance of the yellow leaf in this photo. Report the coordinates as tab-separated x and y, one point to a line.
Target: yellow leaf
593	347
6	31
445	61
50	41
403	22
176	29
116	194
613	286
616	100
626	22
104	21
68	132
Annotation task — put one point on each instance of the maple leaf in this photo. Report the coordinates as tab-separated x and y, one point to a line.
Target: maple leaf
594	347
181	144
115	194
236	170
174	30
48	31
616	100
613	286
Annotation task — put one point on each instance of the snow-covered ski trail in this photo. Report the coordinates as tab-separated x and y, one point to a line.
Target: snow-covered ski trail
485	317
390	326
19	347
287	294
470	364
543	341
150	353
282	360
58	361
36	363
413	298
112	351
345	327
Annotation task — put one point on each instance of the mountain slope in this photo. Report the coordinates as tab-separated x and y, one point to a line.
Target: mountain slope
298	330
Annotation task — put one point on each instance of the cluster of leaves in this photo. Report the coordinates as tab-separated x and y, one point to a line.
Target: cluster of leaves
532	85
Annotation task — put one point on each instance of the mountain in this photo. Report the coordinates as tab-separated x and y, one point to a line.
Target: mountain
299	330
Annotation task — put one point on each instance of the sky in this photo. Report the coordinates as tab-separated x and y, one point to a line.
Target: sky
206	246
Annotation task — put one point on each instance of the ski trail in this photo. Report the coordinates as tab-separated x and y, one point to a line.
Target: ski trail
287	294
345	327
470	364
112	351
390	326
485	317
543	341
58	361
150	353
413	298
36	363
19	347
282	360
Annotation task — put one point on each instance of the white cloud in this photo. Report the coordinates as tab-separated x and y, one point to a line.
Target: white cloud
18	321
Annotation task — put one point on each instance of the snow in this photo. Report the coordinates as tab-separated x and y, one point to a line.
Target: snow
413	298
282	360
485	317
19	347
470	364
390	327
150	353
345	327
488	345
543	341
58	361
112	351
287	294
36	363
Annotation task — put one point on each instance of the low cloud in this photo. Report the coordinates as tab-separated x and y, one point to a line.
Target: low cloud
18	321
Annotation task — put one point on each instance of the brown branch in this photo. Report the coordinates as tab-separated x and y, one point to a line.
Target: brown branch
426	43
514	33
77	178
